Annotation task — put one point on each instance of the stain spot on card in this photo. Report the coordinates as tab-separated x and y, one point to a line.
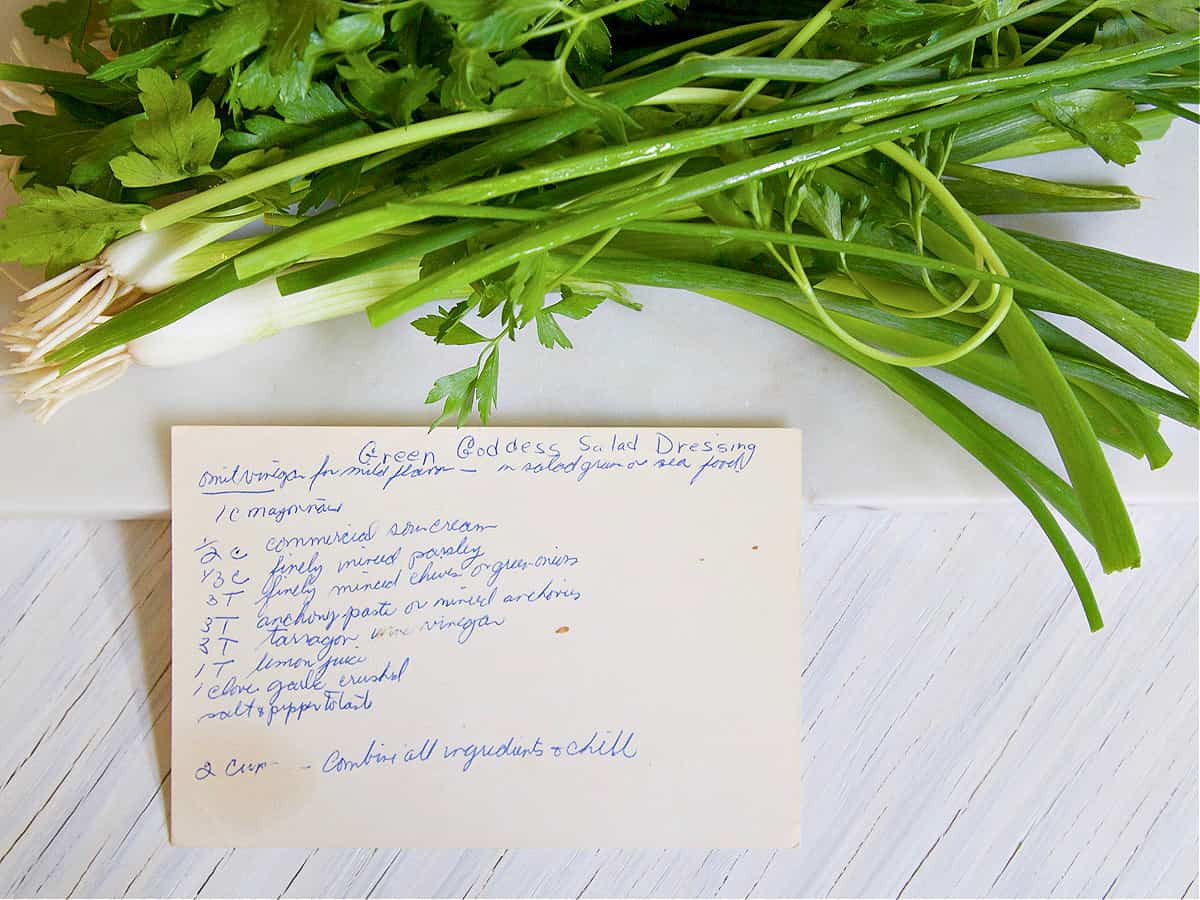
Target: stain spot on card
561	629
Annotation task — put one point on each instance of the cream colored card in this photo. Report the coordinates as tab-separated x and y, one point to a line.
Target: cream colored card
486	637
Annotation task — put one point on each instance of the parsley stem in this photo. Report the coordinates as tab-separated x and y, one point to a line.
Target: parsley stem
579	19
960	216
1061	29
794	46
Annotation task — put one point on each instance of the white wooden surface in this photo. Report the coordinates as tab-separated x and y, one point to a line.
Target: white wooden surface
965	735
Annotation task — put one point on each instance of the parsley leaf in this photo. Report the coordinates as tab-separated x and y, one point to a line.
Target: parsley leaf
349	34
575	304
101	148
393	94
578	302
578	295
894	26
528	287
549	333
78	21
145	9
60	226
530	82
131	63
294	24
1099	119
221	41
440	327
176	140
592	51
258	87
48	144
655	12
1174	15
474	77
319	112
458	390
487	383
492	24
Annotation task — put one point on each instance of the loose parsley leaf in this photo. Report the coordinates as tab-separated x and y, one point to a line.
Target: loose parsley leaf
413	91
63	19
60	227
577	302
491	295
454	317
176	140
437	260
129	34
259	87
1099	119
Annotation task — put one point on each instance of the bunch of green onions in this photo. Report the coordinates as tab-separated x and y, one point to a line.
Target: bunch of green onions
839	199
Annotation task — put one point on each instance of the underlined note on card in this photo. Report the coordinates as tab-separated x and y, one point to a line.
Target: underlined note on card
485	637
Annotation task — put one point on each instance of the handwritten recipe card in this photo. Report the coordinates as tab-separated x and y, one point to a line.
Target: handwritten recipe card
486	637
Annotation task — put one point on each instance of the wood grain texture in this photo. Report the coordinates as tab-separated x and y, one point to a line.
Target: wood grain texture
965	736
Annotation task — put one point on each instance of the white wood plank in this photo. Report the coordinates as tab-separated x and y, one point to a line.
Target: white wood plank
964	734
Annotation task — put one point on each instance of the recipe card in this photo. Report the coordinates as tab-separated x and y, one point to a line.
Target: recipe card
516	637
